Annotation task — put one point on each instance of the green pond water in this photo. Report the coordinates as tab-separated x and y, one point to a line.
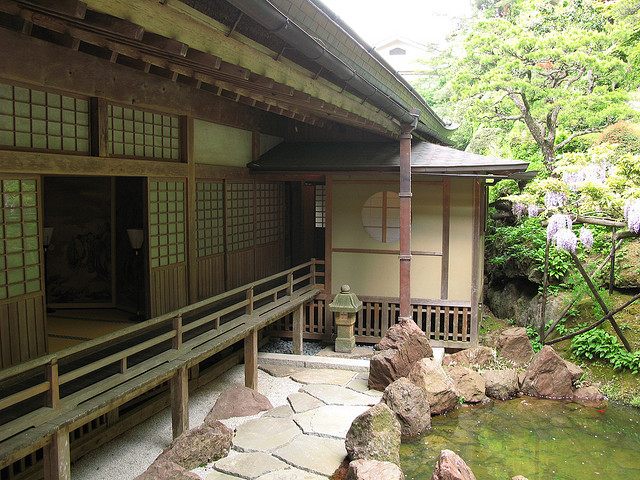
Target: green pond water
540	439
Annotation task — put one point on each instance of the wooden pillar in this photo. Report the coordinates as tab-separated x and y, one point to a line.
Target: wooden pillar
405	225
251	360
187	142
179	386
298	329
57	457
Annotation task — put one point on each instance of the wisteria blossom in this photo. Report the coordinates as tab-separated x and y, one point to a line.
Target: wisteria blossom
557	222
553	199
565	239
586	237
533	210
632	214
596	173
518	209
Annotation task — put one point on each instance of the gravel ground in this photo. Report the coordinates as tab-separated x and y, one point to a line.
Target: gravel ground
279	345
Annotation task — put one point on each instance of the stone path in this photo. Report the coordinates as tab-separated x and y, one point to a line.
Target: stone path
304	439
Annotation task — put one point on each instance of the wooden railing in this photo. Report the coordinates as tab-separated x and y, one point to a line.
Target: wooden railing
63	390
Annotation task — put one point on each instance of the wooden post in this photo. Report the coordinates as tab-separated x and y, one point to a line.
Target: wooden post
613	260
179	386
57	457
251	360
405	225
298	330
249	308
53	394
176	342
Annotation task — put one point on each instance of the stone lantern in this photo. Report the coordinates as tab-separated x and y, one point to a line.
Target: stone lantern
345	307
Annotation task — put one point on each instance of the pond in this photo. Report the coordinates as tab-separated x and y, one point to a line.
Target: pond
540	439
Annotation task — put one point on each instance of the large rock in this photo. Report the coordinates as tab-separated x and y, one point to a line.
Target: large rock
198	446
430	376
374	435
575	371
513	344
237	401
501	384
402	346
409	403
451	467
589	397
547	376
166	470
475	357
373	470
468	383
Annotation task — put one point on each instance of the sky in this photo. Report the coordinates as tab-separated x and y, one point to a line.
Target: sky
423	21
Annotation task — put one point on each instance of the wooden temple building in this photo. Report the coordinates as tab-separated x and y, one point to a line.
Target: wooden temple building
184	160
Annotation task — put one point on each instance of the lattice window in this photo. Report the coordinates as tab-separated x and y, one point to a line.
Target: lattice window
381	216
20	267
321	206
134	132
270	212
240	216
167	236
43	120
209	218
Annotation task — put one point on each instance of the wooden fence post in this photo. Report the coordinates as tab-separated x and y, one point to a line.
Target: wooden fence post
251	360
179	386
53	394
298	330
57	456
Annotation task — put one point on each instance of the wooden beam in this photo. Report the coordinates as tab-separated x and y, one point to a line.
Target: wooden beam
179	386
57	456
251	360
114	25
72	8
298	330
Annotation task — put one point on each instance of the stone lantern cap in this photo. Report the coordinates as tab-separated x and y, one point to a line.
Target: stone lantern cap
345	301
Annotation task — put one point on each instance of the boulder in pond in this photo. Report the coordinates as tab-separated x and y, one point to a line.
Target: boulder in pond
451	467
374	435
468	383
575	371
430	376
204	444
589	397
374	470
513	344
166	470
547	376
501	384
403	345
474	357
409	403
237	401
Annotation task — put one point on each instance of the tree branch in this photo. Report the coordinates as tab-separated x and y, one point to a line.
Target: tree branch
578	134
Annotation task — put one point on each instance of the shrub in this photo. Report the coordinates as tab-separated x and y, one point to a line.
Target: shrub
624	134
597	344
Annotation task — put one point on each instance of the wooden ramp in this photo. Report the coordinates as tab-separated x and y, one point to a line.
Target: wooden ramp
45	399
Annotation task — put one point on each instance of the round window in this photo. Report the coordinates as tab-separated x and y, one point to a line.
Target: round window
381	217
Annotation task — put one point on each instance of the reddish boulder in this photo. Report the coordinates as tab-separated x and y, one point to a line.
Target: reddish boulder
402	346
547	376
475	357
468	384
409	403
513	344
441	393
237	401
501	384
451	467
589	397
204	444
575	371
166	470
374	470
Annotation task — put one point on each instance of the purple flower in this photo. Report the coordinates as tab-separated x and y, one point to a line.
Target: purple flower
533	210
586	237
632	214
590	173
554	199
558	222
518	208
565	239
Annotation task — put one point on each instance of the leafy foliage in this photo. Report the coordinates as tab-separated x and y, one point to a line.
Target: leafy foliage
536	345
597	344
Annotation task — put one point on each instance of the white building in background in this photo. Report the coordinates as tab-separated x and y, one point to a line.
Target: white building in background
404	55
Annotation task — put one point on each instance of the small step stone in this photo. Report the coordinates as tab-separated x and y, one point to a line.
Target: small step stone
301	402
250	465
326	376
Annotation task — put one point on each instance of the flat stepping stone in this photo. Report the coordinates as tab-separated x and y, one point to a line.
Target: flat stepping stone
301	402
221	476
360	384
329	420
249	465
316	454
283	411
335	395
265	434
358	352
277	370
327	376
291	474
